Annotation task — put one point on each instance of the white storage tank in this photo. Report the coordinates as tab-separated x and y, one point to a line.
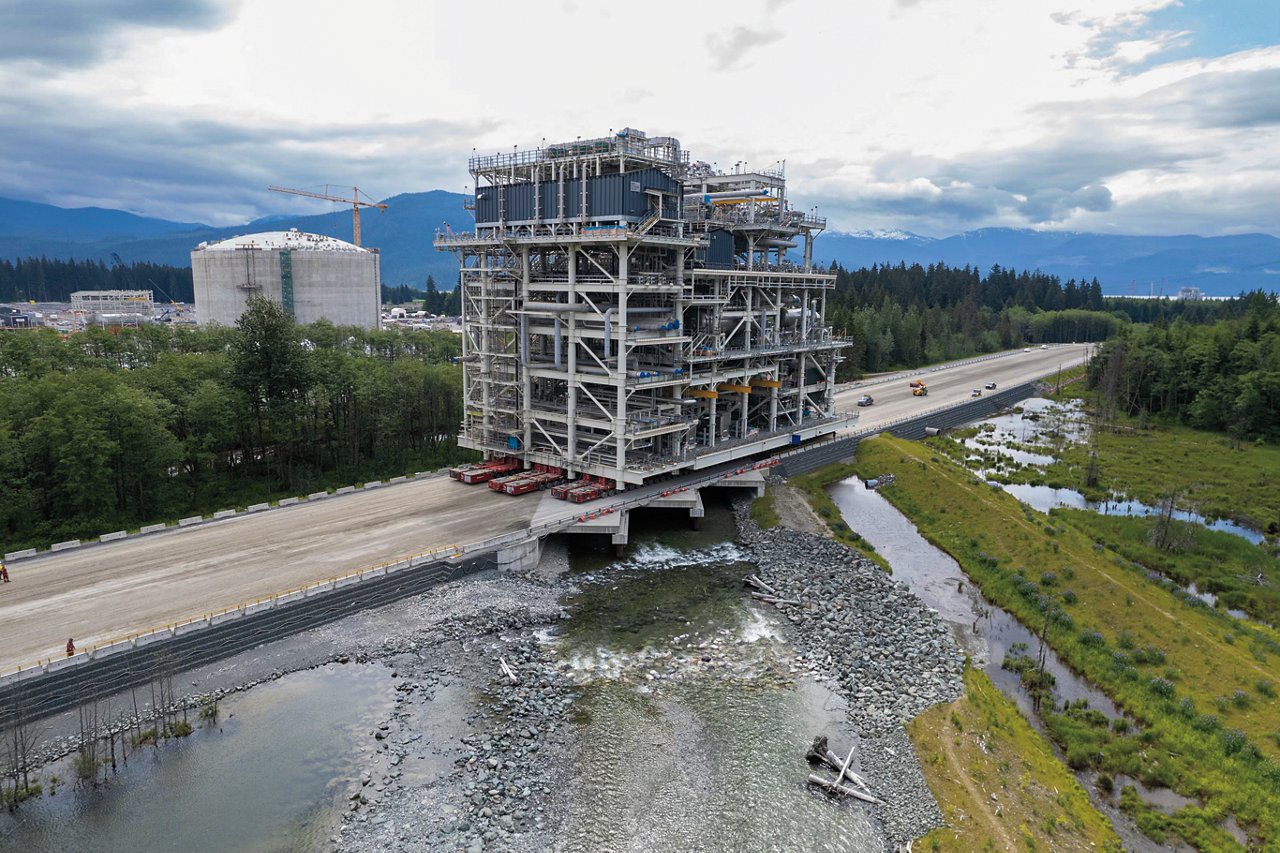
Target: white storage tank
310	275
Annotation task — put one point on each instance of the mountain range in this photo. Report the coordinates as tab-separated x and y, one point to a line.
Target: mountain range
1222	266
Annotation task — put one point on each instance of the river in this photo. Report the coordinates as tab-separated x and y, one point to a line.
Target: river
267	778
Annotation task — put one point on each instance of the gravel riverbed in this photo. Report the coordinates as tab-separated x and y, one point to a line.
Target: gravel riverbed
470	760
854	628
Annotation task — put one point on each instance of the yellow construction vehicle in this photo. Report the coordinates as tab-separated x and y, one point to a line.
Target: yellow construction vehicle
919	389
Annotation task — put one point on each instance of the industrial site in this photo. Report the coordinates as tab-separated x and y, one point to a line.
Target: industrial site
630	313
651	546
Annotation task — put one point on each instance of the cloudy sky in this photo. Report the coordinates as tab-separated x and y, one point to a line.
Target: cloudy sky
934	116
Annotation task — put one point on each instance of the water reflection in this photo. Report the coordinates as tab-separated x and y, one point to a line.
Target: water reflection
268	778
986	631
1043	425
694	717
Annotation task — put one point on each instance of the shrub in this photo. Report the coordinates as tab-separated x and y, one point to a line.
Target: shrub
1233	740
1069	596
1149	655
1206	723
1162	687
1266	688
1092	638
1048	579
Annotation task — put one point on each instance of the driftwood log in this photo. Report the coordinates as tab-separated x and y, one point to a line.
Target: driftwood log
820	753
845	790
752	580
506	669
772	599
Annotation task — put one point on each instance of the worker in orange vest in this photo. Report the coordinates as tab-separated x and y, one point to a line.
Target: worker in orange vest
4	572
71	647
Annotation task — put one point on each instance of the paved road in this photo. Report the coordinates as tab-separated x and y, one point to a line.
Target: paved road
952	385
103	592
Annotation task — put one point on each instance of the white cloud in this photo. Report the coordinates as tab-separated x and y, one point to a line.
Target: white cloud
892	114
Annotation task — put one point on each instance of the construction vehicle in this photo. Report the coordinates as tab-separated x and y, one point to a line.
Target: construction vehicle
587	489
497	483
456	472
483	472
537	478
977	392
919	389
533	482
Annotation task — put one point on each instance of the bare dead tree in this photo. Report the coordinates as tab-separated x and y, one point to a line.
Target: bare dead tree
1162	533
87	761
20	739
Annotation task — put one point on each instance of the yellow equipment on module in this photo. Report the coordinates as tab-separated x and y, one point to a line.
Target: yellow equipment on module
918	389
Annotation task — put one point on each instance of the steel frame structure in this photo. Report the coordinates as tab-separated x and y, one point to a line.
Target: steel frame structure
609	342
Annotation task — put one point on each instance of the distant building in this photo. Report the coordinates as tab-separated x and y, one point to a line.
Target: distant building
1190	294
16	318
113	307
311	276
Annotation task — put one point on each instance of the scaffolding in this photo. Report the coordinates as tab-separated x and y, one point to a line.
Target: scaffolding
628	314
113	307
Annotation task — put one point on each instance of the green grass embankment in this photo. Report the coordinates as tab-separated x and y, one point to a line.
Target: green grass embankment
1224	564
1199	685
998	782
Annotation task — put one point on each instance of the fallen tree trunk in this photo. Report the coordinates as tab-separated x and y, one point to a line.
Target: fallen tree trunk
502	662
772	599
820	753
815	779
752	580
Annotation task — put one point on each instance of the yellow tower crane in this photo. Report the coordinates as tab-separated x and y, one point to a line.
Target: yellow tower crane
355	201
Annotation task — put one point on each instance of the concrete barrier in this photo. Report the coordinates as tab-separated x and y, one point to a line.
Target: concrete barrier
317	496
63	546
843	449
396	480
63	683
223	513
257	507
375	484
153	528
111	537
187	522
18	555
287	502
345	490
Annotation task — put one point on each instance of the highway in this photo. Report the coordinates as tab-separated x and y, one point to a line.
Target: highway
98	593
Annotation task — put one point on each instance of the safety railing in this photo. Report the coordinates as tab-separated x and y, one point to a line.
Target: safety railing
246	607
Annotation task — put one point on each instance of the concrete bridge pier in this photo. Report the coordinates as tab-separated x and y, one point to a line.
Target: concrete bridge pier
750	479
616	524
690	499
520	556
